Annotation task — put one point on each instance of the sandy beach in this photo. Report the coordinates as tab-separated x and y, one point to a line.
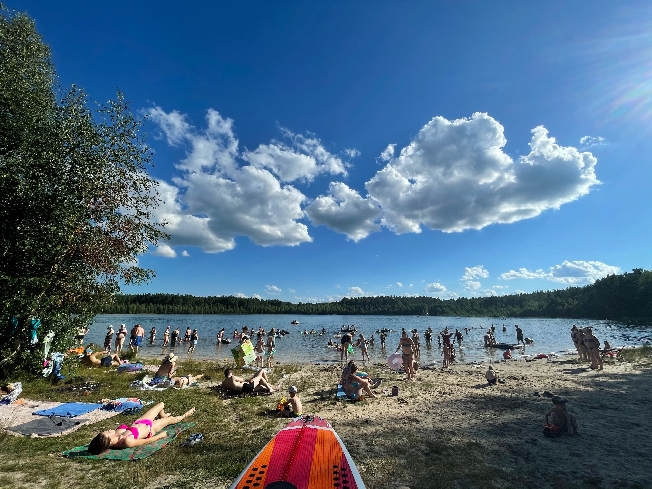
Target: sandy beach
449	417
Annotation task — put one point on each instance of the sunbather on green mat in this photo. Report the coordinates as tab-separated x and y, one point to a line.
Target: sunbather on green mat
144	430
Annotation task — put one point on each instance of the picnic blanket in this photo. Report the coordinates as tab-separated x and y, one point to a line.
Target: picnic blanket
135	453
69	409
14	415
48	426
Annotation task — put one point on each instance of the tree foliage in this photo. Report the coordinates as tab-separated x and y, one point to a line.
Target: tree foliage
626	298
76	199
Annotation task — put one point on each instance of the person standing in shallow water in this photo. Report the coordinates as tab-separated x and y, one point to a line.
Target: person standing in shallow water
194	338
519	335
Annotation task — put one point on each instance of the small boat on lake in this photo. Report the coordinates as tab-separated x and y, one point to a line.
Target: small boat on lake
294	322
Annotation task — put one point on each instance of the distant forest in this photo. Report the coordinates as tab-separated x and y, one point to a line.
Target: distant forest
626	298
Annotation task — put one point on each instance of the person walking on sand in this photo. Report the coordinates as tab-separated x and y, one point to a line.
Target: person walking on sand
120	338
146	429
406	345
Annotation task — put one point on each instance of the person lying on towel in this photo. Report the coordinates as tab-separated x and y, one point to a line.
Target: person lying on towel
144	430
100	359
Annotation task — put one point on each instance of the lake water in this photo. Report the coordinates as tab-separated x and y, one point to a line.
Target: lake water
549	335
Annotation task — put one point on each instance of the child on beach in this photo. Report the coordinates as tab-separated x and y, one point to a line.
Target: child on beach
166	336
491	375
293	407
108	339
120	338
446	353
152	335
558	420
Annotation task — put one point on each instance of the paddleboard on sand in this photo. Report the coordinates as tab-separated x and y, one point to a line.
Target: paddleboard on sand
306	454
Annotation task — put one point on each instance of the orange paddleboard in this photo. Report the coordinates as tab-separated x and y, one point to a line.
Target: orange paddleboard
306	454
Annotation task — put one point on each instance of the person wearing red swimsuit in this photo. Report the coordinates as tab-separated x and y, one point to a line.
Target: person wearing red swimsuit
146	429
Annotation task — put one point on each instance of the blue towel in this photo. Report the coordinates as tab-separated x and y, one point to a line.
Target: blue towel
69	409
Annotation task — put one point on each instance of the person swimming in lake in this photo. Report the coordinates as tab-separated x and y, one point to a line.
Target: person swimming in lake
144	430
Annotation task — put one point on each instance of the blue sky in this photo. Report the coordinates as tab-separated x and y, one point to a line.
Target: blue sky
311	151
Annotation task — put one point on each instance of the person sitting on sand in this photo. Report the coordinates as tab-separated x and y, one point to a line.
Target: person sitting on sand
491	375
168	368
507	354
607	346
559	419
356	382
100	359
185	380
293	407
144	430
257	383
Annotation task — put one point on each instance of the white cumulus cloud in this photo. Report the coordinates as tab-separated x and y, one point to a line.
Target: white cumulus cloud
475	272
357	292
399	284
388	153
216	199
472	285
569	272
344	210
587	142
165	251
185	253
455	175
272	289
434	288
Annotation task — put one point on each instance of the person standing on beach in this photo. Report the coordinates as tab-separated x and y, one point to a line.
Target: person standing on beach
138	333
406	345
120	338
593	345
108	339
519	335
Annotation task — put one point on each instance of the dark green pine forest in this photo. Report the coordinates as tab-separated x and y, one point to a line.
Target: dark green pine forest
625	298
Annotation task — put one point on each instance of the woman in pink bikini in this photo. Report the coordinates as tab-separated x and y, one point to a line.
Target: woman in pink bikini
144	430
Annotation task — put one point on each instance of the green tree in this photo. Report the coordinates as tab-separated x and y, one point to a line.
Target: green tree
75	199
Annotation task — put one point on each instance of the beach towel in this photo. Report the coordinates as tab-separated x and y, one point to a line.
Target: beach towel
126	405
69	409
135	453
130	367
48	426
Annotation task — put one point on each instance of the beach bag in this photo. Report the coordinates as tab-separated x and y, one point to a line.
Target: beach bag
551	431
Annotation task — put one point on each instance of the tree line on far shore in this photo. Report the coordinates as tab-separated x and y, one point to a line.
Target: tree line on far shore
626	298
